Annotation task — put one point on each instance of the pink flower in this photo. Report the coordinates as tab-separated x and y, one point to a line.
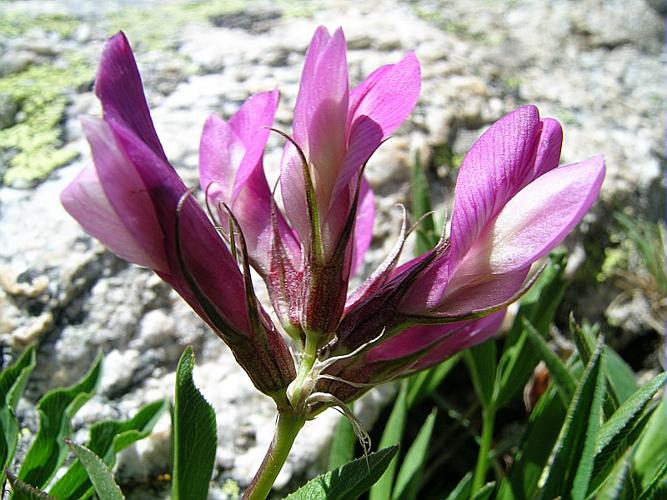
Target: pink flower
129	199
512	205
306	258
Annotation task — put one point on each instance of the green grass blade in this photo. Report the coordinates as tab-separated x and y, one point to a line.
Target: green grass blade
571	462
624	428
392	435
427	236
349	481
56	409
481	362
408	480
98	473
194	436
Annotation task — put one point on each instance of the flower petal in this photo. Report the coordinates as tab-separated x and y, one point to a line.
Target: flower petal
492	172
119	88
206	256
85	200
475	333
363	229
125	191
540	215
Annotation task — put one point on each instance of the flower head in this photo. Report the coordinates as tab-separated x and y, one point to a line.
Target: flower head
512	205
134	202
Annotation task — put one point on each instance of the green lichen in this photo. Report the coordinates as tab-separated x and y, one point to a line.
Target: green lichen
32	147
14	24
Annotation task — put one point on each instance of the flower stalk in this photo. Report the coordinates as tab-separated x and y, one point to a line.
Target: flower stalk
288	426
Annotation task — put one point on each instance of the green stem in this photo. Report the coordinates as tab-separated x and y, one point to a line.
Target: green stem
287	428
488	421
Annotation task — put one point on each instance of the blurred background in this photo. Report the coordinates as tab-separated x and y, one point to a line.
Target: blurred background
598	66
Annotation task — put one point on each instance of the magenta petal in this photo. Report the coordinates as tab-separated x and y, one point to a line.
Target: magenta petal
388	95
126	192
204	253
85	200
492	172
548	148
470	294
540	215
475	333
220	153
413	340
363	229
251	124
118	85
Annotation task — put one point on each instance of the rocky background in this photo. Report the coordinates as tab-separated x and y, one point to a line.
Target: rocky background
598	66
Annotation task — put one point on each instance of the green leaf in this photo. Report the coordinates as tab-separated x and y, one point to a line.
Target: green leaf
620	376
623	429
194	436
107	438
462	490
408	480
343	444
421	385
538	306
98	472
24	491
56	409
12	382
652	444
571	463
484	493
561	376
349	481
657	483
392	435
615	482
540	436
427	236
481	362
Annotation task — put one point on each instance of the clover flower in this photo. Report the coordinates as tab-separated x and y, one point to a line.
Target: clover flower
512	205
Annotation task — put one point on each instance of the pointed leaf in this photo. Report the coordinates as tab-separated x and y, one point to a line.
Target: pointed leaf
462	490
107	438
571	462
623	428
56	409
392	435
349	481
408	481
427	237
653	444
657	484
12	382
98	472
614	484
24	491
484	493
194	436
533	453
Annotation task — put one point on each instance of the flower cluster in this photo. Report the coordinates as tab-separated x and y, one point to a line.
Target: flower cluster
512	205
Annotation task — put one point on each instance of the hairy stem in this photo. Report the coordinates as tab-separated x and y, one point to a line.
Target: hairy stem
287	428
